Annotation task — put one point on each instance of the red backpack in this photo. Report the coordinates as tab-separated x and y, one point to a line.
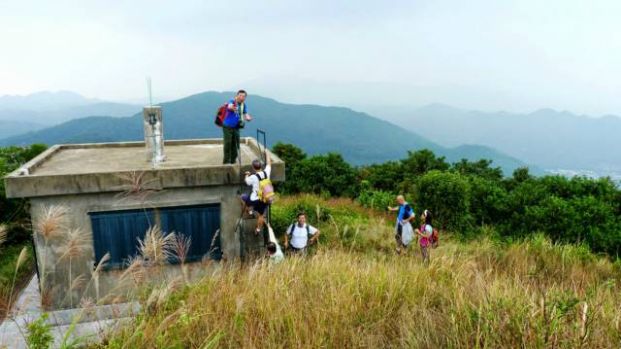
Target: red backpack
435	236
221	114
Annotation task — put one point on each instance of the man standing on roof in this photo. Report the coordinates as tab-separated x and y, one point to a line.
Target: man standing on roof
254	202
236	115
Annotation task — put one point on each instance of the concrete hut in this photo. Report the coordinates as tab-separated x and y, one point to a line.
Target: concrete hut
114	192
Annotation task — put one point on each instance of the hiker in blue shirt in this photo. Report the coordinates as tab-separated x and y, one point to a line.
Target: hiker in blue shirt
404	233
236	116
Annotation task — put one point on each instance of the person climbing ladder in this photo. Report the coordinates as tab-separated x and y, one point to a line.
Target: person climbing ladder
262	193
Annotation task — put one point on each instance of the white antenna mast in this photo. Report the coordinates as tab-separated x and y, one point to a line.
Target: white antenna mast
149	91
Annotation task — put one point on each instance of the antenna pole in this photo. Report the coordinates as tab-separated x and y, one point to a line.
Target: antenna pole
149	91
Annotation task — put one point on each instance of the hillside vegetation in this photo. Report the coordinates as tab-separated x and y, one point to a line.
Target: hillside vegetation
466	197
353	291
16	255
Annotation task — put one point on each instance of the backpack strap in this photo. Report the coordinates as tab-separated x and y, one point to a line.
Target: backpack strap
259	176
292	228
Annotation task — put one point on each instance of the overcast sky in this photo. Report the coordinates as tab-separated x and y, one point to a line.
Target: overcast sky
516	55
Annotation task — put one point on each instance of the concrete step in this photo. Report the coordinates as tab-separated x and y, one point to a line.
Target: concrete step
84	323
83	332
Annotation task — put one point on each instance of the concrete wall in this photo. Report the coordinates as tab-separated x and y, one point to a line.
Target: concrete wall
57	293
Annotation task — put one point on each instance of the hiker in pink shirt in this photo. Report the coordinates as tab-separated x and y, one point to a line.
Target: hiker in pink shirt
424	234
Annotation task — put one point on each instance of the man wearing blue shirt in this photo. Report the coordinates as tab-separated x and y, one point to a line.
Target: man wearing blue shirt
236	115
404	217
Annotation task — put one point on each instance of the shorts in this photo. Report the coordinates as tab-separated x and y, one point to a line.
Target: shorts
257	205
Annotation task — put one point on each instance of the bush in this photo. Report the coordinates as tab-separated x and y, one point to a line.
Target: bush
376	199
40	333
487	200
447	196
481	168
14	212
291	155
385	177
324	174
423	161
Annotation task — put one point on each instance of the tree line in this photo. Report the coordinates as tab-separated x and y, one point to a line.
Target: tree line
14	213
469	197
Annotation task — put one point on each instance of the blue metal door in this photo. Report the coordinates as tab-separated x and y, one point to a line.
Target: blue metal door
117	232
198	222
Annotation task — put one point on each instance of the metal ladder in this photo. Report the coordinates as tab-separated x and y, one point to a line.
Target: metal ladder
240	228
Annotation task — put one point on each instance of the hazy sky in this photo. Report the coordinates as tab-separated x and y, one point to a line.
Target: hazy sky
494	54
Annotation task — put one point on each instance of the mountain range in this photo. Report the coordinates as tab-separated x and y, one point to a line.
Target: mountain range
553	140
20	114
359	137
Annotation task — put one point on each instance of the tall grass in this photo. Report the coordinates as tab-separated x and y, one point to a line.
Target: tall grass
477	296
353	292
49	228
3	234
15	268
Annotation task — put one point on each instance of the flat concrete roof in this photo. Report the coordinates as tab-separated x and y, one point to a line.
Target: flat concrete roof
102	167
106	158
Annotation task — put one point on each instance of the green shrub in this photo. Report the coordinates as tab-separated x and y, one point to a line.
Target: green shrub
377	199
40	333
324	174
487	200
467	194
447	196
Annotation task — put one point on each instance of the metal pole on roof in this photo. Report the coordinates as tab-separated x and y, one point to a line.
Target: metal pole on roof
149	91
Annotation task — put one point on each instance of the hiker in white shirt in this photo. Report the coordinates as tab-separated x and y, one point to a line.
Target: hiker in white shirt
274	252
252	202
300	235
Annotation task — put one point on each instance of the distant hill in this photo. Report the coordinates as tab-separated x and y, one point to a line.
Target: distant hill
51	108
547	138
44	100
362	139
56	116
10	128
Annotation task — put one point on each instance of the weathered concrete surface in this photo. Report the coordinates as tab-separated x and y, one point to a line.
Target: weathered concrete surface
57	271
89	324
97	168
